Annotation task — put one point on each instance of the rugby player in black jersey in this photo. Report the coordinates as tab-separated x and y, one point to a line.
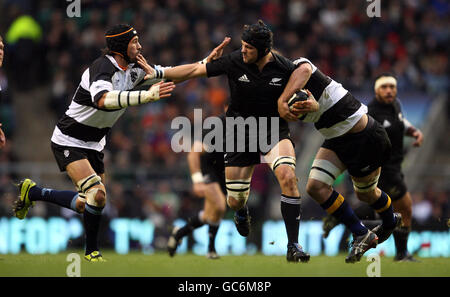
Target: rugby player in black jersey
257	76
208	182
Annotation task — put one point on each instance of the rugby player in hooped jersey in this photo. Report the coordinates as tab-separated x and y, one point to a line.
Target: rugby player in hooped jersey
77	142
354	141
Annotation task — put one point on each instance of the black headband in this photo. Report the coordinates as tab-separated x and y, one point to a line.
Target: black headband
259	36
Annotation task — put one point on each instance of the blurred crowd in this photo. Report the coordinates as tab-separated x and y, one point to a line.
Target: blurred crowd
410	39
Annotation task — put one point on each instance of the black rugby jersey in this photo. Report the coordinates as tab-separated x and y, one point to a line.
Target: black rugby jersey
253	92
391	118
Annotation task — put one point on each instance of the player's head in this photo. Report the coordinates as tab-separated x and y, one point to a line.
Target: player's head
385	88
122	40
257	41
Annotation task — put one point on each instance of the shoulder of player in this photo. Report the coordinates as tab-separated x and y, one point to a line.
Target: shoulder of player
282	60
103	64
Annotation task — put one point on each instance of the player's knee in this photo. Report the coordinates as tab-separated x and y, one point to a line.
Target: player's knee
93	189
316	188
366	190
237	192
100	198
287	178
321	178
368	197
234	203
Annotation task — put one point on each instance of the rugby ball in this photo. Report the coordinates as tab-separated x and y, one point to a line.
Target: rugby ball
147	83
298	96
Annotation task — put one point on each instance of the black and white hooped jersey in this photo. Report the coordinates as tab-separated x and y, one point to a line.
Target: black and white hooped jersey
339	111
84	124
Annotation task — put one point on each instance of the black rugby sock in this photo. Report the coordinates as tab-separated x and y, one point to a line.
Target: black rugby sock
65	199
384	209
242	213
212	233
193	223
401	240
92	217
340	209
290	210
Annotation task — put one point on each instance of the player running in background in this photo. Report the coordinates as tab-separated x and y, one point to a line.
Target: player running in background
354	141
79	136
386	109
208	177
257	76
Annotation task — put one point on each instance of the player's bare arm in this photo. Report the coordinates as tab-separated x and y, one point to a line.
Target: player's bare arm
193	158
413	132
296	82
189	71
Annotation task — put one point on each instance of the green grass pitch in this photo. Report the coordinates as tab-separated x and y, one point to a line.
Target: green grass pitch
190	265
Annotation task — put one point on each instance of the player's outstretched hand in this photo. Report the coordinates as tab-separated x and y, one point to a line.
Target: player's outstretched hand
309	105
165	88
218	51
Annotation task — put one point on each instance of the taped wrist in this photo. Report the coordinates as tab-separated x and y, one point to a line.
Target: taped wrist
121	99
197	177
157	73
204	61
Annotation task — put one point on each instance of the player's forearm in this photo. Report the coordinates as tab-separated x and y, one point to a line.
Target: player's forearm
194	162
297	81
409	128
195	166
121	99
185	72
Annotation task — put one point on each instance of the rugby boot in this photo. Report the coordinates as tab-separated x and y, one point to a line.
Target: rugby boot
23	203
242	223
173	242
360	245
295	253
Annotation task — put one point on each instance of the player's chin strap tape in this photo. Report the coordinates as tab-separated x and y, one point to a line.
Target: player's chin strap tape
364	187
121	99
324	171
86	186
239	189
280	160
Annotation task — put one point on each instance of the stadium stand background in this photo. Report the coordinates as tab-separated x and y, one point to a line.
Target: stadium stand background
46	52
